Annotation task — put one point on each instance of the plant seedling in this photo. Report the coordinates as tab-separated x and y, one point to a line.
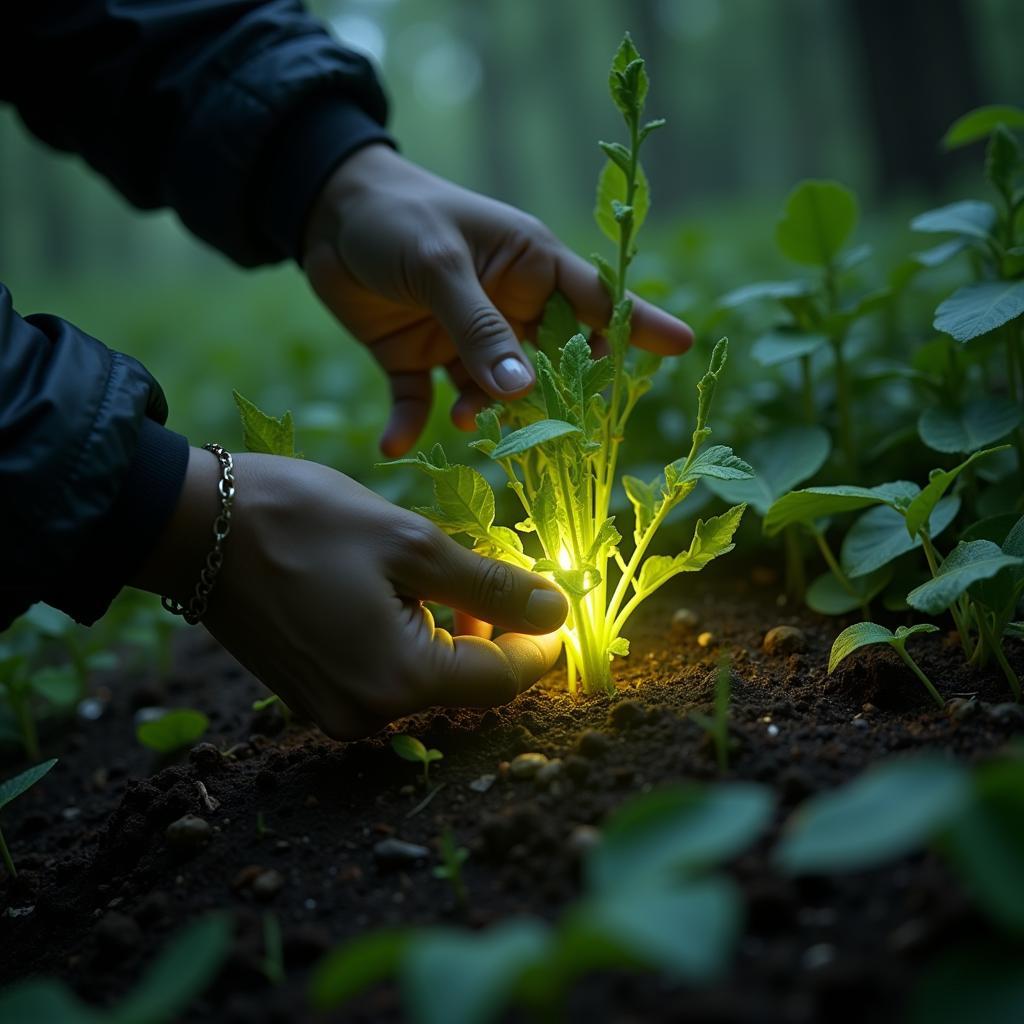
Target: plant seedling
273	949
450	868
864	634
411	749
561	453
173	730
10	790
717	725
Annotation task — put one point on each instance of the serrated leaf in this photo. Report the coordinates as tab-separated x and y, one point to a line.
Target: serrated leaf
765	290
979	308
464	500
716	462
532	435
488	425
880	536
780	462
970	217
887	812
607	537
645	498
611	188
816	223
979	123
578	582
968	427
966	564
265	434
11	789
781	346
919	511
547	516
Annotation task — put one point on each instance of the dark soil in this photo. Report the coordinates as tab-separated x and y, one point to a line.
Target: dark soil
106	887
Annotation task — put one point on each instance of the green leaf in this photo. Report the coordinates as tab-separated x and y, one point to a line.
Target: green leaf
781	346
13	788
968	427
462	977
864	634
607	273
45	1001
173	730
627	79
532	435
780	461
578	582
265	434
645	499
351	969
920	508
717	463
765	290
827	596
966	564
409	748
611	189
488	425
980	123
557	326
975	984
977	309
817	221
58	685
184	968
885	813
970	217
880	536
1002	159
941	253
675	832
547	516
817	502
619	646
710	540
465	501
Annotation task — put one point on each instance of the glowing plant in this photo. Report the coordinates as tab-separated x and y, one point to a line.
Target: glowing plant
561	452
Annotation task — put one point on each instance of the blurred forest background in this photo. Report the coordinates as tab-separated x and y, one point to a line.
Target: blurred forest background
509	98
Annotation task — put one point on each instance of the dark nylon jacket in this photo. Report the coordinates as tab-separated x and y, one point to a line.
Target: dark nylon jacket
233	113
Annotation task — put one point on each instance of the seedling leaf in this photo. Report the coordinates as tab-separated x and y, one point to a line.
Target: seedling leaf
817	220
540	432
611	189
11	789
980	123
173	730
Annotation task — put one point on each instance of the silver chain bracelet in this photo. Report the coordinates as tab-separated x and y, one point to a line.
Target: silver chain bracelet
194	611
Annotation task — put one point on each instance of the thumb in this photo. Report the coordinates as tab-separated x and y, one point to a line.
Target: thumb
485	342
443	570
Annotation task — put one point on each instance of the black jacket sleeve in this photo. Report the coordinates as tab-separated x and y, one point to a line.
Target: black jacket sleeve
233	112
88	474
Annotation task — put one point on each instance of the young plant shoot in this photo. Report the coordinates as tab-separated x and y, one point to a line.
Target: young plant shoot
560	452
10	790
411	749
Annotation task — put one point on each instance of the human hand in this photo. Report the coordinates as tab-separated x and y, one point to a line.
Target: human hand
319	596
425	273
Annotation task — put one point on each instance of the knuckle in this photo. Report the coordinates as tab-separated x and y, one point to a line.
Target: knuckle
493	582
484	328
418	540
438	255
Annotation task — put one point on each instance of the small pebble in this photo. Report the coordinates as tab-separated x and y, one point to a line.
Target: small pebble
706	639
148	714
547	773
189	832
117	934
773	730
686	618
960	709
861	723
582	839
393	853
627	714
310	904
592	743
577	768
482	784
206	758
90	709
71	813
267	884
526	766
784	640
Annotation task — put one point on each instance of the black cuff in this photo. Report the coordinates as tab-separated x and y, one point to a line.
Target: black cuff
113	553
300	159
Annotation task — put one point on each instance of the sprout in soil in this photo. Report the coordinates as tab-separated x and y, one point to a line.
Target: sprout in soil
716	726
411	749
172	730
450	868
10	790
273	949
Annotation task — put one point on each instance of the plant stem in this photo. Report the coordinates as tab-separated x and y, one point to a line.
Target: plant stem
961	626
834	568
6	855
995	645
913	666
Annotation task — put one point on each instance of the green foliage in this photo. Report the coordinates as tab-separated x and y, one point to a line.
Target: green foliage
865	634
967	564
173	730
979	124
411	749
10	790
979	308
263	433
453	857
969	426
817	221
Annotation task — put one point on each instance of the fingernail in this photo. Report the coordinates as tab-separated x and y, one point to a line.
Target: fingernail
511	374
546	609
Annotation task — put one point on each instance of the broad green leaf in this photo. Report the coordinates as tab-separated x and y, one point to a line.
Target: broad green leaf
765	290
489	428
817	502
977	309
818	218
11	789
970	217
880	535
970	426
46	1001
982	983
710	539
780	462
611	188
645	499
265	434
864	634
351	969
606	538
463	977
919	510
717	462
57	684
409	748
995	529
889	811
173	730
183	970
780	346
967	564
675	832
827	596
465	501
530	436
980	123
687	933
557	325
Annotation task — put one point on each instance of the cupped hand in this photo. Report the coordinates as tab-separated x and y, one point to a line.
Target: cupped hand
425	273
320	597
